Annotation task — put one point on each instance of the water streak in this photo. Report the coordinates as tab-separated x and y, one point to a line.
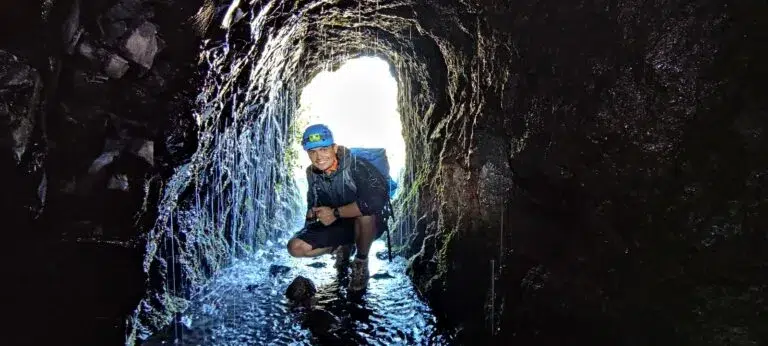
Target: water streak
224	203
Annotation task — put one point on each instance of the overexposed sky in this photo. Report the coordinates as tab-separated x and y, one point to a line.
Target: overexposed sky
358	102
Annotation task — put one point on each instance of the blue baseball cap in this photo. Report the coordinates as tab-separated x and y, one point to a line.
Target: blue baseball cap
316	136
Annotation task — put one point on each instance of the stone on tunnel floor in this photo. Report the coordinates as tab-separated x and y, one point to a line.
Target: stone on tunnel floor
382	275
301	289
277	269
317	265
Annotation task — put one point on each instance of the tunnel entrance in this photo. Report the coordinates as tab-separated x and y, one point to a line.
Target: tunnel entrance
358	102
245	303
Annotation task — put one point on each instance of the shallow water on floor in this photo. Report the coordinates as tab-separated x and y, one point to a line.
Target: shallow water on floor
246	305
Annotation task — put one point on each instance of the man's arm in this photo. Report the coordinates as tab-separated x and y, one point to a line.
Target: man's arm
349	210
327	217
372	195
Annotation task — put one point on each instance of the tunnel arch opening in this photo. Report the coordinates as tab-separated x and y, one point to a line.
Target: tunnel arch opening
416	74
358	101
235	192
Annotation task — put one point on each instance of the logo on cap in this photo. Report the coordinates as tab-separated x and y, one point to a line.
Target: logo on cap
315	137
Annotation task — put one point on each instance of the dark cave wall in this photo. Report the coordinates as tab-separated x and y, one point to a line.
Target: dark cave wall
622	146
94	126
587	171
96	104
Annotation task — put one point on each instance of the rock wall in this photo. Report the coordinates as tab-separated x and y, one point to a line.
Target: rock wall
235	194
95	102
601	173
588	171
144	156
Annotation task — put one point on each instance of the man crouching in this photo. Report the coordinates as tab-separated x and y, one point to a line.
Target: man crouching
346	200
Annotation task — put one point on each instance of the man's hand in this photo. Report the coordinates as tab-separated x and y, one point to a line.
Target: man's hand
325	215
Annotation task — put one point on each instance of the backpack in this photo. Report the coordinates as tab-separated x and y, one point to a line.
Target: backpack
378	158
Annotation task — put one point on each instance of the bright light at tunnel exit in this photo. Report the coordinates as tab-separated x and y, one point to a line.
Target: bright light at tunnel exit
358	102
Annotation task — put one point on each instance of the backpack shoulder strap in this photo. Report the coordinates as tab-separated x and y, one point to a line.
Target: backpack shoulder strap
346	174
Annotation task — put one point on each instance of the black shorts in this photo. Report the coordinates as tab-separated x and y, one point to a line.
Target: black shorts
341	232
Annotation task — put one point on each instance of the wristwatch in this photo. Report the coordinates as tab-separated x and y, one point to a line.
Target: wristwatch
336	213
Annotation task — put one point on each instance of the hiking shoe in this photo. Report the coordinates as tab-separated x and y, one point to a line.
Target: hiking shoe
341	254
360	274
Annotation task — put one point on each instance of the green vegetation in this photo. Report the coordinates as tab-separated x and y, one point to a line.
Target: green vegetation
291	158
406	199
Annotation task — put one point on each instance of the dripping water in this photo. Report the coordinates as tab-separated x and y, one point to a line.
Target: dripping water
220	215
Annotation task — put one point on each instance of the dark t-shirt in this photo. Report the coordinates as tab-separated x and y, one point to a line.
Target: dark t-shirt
356	180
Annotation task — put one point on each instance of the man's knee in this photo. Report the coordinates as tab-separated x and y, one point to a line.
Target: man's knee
297	247
366	220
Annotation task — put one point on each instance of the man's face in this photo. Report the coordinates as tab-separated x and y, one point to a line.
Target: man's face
322	157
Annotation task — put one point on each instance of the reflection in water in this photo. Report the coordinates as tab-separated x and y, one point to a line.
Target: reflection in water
246	305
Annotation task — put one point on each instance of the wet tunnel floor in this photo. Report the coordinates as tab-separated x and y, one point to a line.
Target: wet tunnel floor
246	305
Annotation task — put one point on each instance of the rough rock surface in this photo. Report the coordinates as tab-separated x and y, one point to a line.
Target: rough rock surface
575	170
127	185
301	289
581	171
89	135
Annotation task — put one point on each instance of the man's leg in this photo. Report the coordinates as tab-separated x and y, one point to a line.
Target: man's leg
317	241
365	233
300	248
